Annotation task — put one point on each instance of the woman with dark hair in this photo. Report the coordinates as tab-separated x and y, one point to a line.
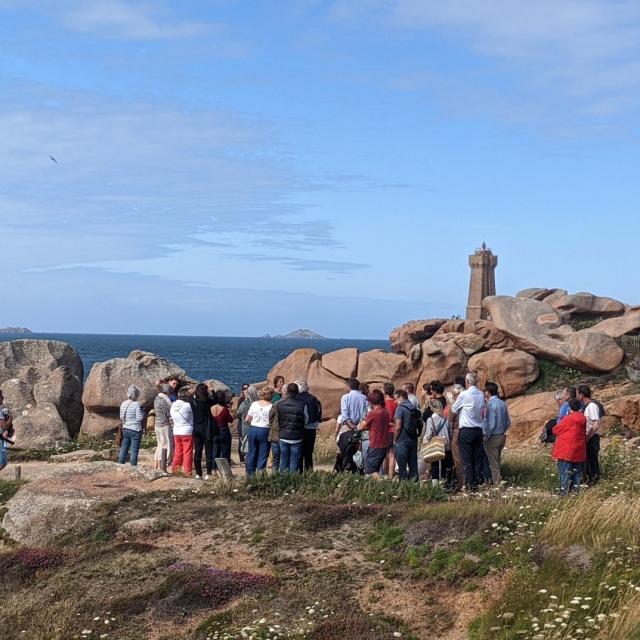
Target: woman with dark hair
222	419
376	423
204	429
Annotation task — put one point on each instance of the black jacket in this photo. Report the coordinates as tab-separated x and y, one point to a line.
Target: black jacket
314	408
203	424
291	418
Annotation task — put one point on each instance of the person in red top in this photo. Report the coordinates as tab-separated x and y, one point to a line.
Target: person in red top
376	423
570	448
391	405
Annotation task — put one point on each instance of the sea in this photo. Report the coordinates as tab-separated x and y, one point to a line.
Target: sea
234	361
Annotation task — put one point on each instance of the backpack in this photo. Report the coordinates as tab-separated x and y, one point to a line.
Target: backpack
600	406
547	435
414	426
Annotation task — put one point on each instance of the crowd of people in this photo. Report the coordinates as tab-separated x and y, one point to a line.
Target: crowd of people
453	437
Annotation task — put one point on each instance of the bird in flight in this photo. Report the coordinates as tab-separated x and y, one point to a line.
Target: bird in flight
53	159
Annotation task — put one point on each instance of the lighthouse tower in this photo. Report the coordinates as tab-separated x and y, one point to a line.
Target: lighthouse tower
483	281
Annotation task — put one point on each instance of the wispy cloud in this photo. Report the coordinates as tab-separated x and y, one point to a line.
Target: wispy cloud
582	55
131	20
304	264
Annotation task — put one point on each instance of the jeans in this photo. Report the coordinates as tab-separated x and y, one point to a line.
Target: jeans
407	459
472	453
183	455
308	445
222	446
593	464
493	447
570	476
199	443
130	440
290	455
275	456
258	453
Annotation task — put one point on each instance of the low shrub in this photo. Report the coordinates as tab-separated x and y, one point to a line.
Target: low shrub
212	587
26	562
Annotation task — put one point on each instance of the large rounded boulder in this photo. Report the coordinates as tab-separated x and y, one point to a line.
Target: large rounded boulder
529	415
42	385
404	337
107	384
512	370
538	329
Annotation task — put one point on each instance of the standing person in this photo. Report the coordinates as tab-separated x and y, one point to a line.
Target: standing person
250	397
222	418
6	432
390	405
453	419
241	398
278	384
594	422
376	423
410	388
163	428
182	417
314	411
567	394
352	407
364	435
406	432
258	436
470	404
292	418
437	425
570	448
204	430
131	416
496	424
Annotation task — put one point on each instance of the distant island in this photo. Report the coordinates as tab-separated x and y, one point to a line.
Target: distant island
298	334
14	330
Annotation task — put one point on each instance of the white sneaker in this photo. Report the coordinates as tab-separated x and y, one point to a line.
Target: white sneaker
207	477
198	477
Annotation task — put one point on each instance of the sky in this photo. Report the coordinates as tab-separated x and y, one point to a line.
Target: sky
232	167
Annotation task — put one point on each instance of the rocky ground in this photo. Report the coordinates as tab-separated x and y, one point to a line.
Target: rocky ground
96	550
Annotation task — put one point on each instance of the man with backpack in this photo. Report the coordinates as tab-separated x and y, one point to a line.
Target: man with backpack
407	427
593	412
470	404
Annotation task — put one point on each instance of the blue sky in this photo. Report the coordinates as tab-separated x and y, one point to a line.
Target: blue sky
228	167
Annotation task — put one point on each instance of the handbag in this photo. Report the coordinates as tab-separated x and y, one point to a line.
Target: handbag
120	427
435	450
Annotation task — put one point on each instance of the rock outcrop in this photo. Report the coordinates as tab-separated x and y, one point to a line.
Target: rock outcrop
42	384
629	323
627	410
405	336
583	306
528	415
107	385
67	500
512	370
536	327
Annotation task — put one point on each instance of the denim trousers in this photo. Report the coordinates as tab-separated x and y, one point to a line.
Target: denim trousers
570	476
130	440
407	459
258	454
222	446
275	456
290	455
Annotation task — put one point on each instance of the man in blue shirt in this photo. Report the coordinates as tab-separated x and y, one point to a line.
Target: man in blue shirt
406	438
567	394
496	424
352	407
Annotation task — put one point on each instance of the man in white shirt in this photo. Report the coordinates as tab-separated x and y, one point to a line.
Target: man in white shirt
470	406
594	422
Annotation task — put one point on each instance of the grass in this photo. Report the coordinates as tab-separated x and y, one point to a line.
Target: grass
320	485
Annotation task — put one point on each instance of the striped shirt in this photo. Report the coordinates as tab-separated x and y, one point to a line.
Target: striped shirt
131	415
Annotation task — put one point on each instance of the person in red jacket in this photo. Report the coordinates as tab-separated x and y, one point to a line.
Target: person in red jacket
570	448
